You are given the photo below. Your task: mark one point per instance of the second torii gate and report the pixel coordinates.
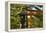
(23, 19)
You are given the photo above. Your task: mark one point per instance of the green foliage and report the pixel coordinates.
(38, 21)
(14, 17)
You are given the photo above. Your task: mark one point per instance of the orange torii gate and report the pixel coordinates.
(28, 15)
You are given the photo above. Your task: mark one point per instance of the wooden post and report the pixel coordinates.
(29, 19)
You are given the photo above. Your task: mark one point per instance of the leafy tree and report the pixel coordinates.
(16, 9)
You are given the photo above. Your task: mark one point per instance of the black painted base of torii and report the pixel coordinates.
(23, 19)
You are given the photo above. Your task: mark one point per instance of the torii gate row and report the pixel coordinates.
(29, 16)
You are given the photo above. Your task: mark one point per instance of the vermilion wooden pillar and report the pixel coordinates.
(29, 17)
